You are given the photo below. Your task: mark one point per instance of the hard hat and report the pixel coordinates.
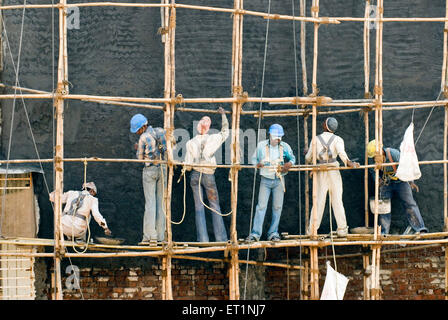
(371, 149)
(332, 124)
(90, 185)
(276, 130)
(137, 122)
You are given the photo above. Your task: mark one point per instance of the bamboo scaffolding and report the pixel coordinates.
(171, 250)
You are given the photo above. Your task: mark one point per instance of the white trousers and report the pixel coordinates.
(73, 226)
(329, 181)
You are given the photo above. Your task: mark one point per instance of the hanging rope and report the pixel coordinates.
(258, 139)
(87, 219)
(302, 5)
(427, 118)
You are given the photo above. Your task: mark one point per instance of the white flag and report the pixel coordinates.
(334, 286)
(408, 168)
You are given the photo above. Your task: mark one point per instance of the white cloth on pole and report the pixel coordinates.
(334, 286)
(408, 168)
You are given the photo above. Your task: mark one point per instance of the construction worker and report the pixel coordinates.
(390, 185)
(151, 146)
(76, 214)
(278, 154)
(328, 147)
(201, 150)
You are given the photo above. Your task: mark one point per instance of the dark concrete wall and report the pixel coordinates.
(118, 52)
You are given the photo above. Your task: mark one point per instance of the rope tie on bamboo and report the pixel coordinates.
(315, 90)
(172, 24)
(378, 90)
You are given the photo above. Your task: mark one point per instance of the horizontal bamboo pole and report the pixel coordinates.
(324, 20)
(258, 263)
(240, 166)
(360, 254)
(261, 244)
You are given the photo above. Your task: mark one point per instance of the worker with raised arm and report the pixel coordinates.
(152, 146)
(201, 150)
(391, 186)
(328, 147)
(76, 214)
(274, 158)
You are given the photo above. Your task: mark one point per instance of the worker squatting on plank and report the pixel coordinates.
(151, 146)
(329, 146)
(391, 186)
(76, 213)
(201, 150)
(277, 153)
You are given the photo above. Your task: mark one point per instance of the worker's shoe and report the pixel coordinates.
(342, 232)
(274, 237)
(252, 238)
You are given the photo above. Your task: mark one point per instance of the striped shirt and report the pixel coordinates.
(151, 144)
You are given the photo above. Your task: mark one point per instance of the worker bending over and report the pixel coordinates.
(329, 146)
(76, 214)
(390, 185)
(201, 150)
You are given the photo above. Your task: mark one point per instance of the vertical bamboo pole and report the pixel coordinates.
(366, 114)
(367, 51)
(444, 63)
(445, 174)
(59, 150)
(170, 20)
(315, 14)
(237, 37)
(303, 47)
(378, 137)
(307, 176)
(445, 194)
(366, 170)
(313, 250)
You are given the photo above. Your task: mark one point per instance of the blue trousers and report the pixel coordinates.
(209, 185)
(404, 192)
(266, 187)
(154, 183)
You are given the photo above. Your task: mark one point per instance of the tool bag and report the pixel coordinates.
(408, 168)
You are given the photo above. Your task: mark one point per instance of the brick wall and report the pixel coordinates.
(203, 282)
(406, 275)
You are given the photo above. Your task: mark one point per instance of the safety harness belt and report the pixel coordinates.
(326, 149)
(393, 166)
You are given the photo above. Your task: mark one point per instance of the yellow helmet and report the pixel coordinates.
(371, 149)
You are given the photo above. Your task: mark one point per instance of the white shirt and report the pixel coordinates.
(90, 204)
(211, 143)
(337, 148)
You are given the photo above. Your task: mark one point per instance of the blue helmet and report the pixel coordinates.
(137, 122)
(332, 124)
(276, 130)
